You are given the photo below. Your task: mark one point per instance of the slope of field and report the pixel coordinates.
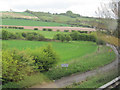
(22, 22)
(67, 51)
(23, 15)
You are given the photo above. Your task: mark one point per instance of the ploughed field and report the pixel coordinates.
(66, 51)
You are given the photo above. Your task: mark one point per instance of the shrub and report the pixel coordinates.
(66, 30)
(45, 58)
(20, 27)
(74, 35)
(73, 30)
(57, 37)
(100, 42)
(12, 35)
(62, 37)
(58, 30)
(44, 29)
(5, 35)
(35, 28)
(24, 34)
(34, 36)
(68, 38)
(15, 65)
(49, 29)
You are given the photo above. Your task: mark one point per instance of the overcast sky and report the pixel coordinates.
(82, 7)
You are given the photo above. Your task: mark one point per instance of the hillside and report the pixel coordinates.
(68, 18)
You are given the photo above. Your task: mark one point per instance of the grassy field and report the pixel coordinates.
(22, 22)
(67, 51)
(88, 62)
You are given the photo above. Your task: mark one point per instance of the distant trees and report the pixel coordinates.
(76, 36)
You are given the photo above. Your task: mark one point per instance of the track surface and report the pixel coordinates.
(80, 76)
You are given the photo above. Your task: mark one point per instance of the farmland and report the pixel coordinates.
(22, 22)
(36, 44)
(71, 50)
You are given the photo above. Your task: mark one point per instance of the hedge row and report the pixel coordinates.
(45, 29)
(24, 35)
(13, 27)
(76, 36)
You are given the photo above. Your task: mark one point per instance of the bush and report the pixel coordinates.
(5, 35)
(100, 42)
(49, 29)
(57, 37)
(74, 35)
(68, 38)
(58, 30)
(73, 30)
(62, 37)
(34, 36)
(66, 30)
(44, 29)
(15, 65)
(24, 34)
(35, 28)
(20, 27)
(45, 58)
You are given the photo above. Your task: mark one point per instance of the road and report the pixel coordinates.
(65, 81)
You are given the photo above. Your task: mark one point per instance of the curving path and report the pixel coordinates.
(65, 81)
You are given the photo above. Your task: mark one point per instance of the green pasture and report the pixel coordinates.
(66, 51)
(22, 22)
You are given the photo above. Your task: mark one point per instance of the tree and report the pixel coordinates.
(68, 38)
(110, 16)
(5, 35)
(62, 37)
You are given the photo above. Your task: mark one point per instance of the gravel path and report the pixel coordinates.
(81, 76)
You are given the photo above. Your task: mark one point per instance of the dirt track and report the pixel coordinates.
(80, 76)
(55, 28)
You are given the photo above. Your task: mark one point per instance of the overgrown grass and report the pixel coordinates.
(67, 51)
(22, 22)
(96, 81)
(108, 38)
(37, 78)
(83, 64)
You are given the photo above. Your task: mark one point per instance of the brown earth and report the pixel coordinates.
(55, 28)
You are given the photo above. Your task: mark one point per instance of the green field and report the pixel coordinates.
(22, 22)
(67, 51)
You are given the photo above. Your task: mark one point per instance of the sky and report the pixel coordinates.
(82, 7)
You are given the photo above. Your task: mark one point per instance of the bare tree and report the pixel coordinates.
(109, 14)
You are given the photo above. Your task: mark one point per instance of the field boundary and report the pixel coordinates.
(55, 28)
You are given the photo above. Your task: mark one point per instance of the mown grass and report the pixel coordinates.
(22, 22)
(97, 80)
(66, 51)
(83, 64)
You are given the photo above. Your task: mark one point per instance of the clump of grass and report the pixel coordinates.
(37, 78)
(96, 81)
